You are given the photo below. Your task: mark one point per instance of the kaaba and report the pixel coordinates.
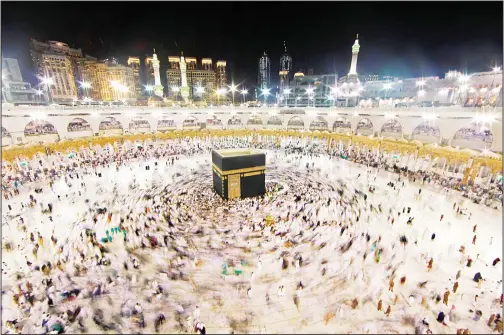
(239, 173)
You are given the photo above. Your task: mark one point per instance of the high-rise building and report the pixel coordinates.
(10, 70)
(191, 63)
(285, 69)
(60, 70)
(134, 64)
(149, 71)
(201, 81)
(81, 75)
(110, 82)
(368, 77)
(310, 90)
(264, 71)
(57, 62)
(206, 64)
(14, 89)
(221, 79)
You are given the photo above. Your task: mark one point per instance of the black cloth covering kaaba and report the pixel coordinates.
(239, 173)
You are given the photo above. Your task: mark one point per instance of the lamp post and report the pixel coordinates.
(47, 82)
(149, 88)
(244, 92)
(85, 85)
(39, 93)
(286, 92)
(265, 92)
(176, 89)
(200, 90)
(219, 92)
(233, 89)
(310, 91)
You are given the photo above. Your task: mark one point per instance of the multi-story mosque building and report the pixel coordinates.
(327, 90)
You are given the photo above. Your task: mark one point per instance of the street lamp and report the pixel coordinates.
(176, 90)
(297, 99)
(244, 92)
(46, 82)
(200, 90)
(233, 89)
(118, 87)
(286, 92)
(310, 91)
(149, 88)
(85, 85)
(219, 92)
(265, 92)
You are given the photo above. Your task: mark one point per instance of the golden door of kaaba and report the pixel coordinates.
(234, 190)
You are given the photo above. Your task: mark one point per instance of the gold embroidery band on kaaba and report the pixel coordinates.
(246, 170)
(250, 174)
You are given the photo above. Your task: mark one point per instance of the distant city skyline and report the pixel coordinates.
(407, 46)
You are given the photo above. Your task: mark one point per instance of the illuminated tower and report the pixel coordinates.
(134, 64)
(285, 68)
(184, 89)
(355, 53)
(158, 88)
(264, 71)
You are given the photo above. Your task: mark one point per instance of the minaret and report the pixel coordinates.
(184, 90)
(158, 88)
(355, 53)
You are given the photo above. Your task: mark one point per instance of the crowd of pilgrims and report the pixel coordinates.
(489, 194)
(73, 288)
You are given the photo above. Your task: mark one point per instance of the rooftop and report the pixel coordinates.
(237, 152)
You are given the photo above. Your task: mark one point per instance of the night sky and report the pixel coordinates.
(397, 38)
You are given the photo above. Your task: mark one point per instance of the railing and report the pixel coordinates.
(100, 107)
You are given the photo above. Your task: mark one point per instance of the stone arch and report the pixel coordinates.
(473, 137)
(295, 123)
(6, 133)
(41, 130)
(274, 121)
(391, 128)
(191, 122)
(110, 124)
(365, 127)
(6, 137)
(78, 124)
(213, 120)
(342, 125)
(166, 124)
(426, 132)
(234, 121)
(319, 124)
(254, 120)
(139, 125)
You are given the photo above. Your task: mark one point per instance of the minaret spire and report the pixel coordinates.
(355, 53)
(158, 88)
(184, 89)
(285, 47)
